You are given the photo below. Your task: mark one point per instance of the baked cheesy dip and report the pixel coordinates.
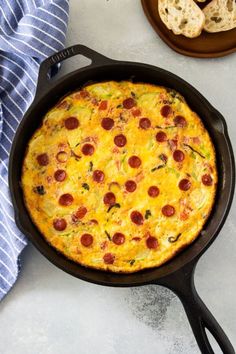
(120, 176)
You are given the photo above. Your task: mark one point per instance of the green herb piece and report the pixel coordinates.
(66, 235)
(172, 170)
(39, 190)
(77, 157)
(90, 166)
(150, 144)
(163, 158)
(85, 186)
(157, 168)
(108, 235)
(77, 144)
(173, 239)
(197, 152)
(193, 155)
(119, 106)
(194, 175)
(131, 262)
(133, 94)
(123, 159)
(116, 205)
(174, 94)
(148, 214)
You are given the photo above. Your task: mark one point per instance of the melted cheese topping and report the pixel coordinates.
(149, 239)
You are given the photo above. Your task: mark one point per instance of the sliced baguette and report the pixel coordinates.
(182, 17)
(220, 15)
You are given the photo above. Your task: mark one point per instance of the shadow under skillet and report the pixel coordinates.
(159, 309)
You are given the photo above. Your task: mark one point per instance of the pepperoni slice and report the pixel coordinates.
(173, 144)
(153, 191)
(134, 161)
(118, 238)
(62, 156)
(178, 155)
(168, 210)
(196, 140)
(109, 198)
(166, 110)
(43, 159)
(107, 123)
(184, 215)
(63, 105)
(71, 123)
(161, 137)
(59, 224)
(60, 175)
(129, 103)
(103, 105)
(207, 180)
(120, 140)
(86, 240)
(144, 123)
(136, 238)
(136, 217)
(184, 184)
(130, 186)
(109, 258)
(151, 242)
(180, 121)
(98, 176)
(80, 213)
(84, 93)
(66, 199)
(136, 112)
(87, 149)
(93, 222)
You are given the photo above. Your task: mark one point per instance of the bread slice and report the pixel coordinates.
(220, 15)
(182, 17)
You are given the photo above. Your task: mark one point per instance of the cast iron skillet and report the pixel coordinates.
(177, 274)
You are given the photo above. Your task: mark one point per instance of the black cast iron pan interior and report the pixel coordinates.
(178, 273)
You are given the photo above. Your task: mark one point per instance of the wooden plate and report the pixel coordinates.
(207, 45)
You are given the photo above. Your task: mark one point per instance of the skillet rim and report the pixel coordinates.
(145, 276)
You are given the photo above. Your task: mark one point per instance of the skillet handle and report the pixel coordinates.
(47, 67)
(200, 318)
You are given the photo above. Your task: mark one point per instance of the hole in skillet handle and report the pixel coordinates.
(53, 70)
(181, 282)
(50, 66)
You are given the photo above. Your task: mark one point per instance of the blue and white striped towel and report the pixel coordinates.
(30, 31)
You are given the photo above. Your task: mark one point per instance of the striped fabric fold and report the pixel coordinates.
(30, 31)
